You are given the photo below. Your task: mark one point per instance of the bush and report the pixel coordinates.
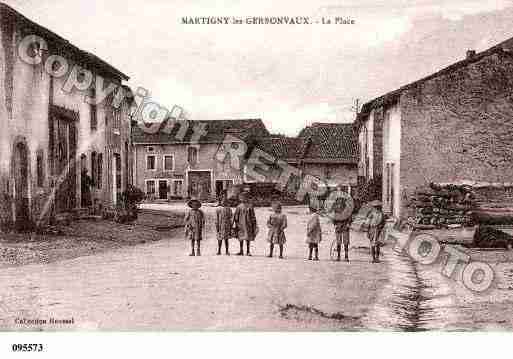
(133, 195)
(370, 190)
(128, 210)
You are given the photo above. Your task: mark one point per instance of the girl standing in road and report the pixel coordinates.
(313, 233)
(245, 224)
(224, 223)
(194, 225)
(277, 223)
(376, 221)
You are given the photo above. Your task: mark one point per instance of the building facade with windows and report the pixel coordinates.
(453, 126)
(172, 163)
(49, 133)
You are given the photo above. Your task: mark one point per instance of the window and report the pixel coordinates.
(97, 169)
(192, 155)
(328, 172)
(117, 119)
(93, 109)
(169, 163)
(177, 188)
(150, 163)
(40, 169)
(150, 187)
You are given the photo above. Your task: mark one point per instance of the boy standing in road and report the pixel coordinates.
(342, 218)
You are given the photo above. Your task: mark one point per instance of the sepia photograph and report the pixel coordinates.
(191, 166)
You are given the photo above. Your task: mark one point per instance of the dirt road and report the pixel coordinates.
(157, 286)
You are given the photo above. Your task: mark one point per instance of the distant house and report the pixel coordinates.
(174, 164)
(452, 126)
(326, 151)
(329, 151)
(49, 134)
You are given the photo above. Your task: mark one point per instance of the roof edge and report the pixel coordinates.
(55, 37)
(394, 95)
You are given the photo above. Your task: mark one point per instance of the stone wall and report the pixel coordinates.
(458, 126)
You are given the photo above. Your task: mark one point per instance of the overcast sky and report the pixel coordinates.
(287, 75)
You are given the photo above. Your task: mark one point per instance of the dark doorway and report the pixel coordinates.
(21, 168)
(162, 189)
(63, 149)
(222, 186)
(127, 166)
(199, 184)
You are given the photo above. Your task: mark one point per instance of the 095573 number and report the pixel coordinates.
(27, 347)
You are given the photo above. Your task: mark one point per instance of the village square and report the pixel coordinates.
(118, 212)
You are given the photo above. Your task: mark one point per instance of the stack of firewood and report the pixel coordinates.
(443, 206)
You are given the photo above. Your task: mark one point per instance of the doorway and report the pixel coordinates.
(199, 185)
(116, 178)
(63, 149)
(21, 186)
(222, 186)
(163, 189)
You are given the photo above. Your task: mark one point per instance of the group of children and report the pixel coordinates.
(242, 225)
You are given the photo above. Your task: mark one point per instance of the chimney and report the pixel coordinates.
(471, 54)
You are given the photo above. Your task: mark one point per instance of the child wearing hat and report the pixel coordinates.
(342, 237)
(376, 221)
(224, 217)
(245, 224)
(194, 225)
(342, 223)
(276, 223)
(313, 232)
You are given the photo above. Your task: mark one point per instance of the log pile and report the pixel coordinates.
(443, 206)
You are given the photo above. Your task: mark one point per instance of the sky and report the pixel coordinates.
(288, 75)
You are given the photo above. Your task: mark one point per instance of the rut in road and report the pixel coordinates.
(417, 298)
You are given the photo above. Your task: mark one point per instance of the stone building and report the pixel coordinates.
(49, 131)
(453, 126)
(175, 164)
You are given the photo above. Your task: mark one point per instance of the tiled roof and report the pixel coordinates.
(329, 142)
(285, 148)
(216, 131)
(319, 143)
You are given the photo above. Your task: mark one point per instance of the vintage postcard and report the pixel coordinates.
(319, 166)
